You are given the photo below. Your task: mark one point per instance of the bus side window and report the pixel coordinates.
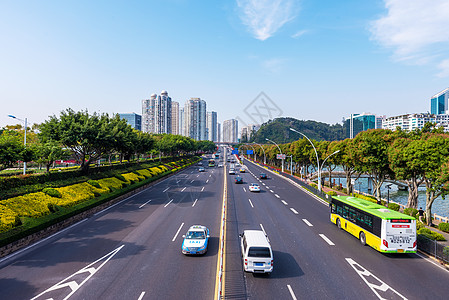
(333, 207)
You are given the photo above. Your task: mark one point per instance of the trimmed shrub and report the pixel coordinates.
(94, 183)
(120, 177)
(332, 193)
(431, 234)
(411, 211)
(443, 227)
(394, 206)
(52, 192)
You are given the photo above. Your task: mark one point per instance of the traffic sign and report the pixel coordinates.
(280, 156)
(248, 152)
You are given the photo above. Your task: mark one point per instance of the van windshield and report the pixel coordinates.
(259, 252)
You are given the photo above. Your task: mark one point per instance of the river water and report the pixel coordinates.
(440, 206)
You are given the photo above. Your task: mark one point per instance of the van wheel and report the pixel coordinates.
(362, 238)
(338, 224)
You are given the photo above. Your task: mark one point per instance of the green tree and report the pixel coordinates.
(11, 149)
(50, 151)
(346, 159)
(89, 137)
(370, 154)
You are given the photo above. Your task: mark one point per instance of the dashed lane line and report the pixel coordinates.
(285, 203)
(183, 189)
(141, 296)
(202, 188)
(177, 232)
(244, 190)
(165, 190)
(194, 202)
(207, 181)
(294, 210)
(145, 204)
(326, 239)
(307, 222)
(277, 196)
(251, 203)
(168, 203)
(291, 292)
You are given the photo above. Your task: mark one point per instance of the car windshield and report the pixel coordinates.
(255, 184)
(197, 235)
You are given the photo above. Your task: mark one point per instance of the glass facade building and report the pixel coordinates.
(439, 102)
(133, 119)
(359, 122)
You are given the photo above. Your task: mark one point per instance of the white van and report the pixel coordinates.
(256, 252)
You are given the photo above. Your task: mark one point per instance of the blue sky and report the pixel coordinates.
(315, 60)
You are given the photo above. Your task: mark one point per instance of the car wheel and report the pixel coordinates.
(362, 238)
(338, 224)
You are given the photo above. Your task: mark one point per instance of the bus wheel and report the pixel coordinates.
(338, 224)
(362, 238)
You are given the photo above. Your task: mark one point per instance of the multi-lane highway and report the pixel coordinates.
(313, 259)
(132, 250)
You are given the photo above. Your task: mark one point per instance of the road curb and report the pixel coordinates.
(220, 277)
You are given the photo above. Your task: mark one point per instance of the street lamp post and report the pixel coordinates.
(263, 150)
(24, 140)
(317, 159)
(316, 154)
(291, 164)
(388, 193)
(279, 151)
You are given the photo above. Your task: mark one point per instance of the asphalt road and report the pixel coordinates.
(130, 251)
(313, 259)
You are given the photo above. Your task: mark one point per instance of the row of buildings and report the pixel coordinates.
(160, 114)
(439, 115)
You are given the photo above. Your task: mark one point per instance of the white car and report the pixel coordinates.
(254, 187)
(220, 165)
(195, 240)
(232, 171)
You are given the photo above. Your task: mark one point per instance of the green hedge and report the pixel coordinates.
(394, 206)
(28, 225)
(443, 227)
(431, 234)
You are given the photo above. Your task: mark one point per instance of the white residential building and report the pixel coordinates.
(230, 131)
(195, 119)
(211, 121)
(175, 118)
(410, 122)
(157, 114)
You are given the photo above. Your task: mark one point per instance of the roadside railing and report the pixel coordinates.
(433, 248)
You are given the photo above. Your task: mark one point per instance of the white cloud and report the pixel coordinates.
(444, 67)
(273, 65)
(416, 30)
(265, 17)
(299, 34)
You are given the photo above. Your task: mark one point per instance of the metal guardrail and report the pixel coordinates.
(433, 248)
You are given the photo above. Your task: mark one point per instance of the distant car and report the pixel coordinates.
(200, 164)
(263, 176)
(231, 171)
(195, 240)
(238, 179)
(220, 165)
(237, 165)
(254, 187)
(200, 169)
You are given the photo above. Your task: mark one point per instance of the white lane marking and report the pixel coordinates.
(202, 189)
(326, 239)
(207, 181)
(145, 204)
(183, 189)
(272, 191)
(141, 296)
(194, 202)
(263, 183)
(285, 203)
(251, 203)
(210, 175)
(192, 181)
(244, 190)
(165, 190)
(291, 292)
(277, 196)
(375, 287)
(168, 203)
(294, 211)
(88, 270)
(198, 175)
(307, 222)
(177, 232)
(264, 232)
(177, 181)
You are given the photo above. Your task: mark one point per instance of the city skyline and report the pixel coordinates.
(351, 57)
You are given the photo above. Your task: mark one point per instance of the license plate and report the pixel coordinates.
(258, 264)
(400, 250)
(192, 252)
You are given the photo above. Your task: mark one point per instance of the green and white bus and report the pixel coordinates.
(383, 229)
